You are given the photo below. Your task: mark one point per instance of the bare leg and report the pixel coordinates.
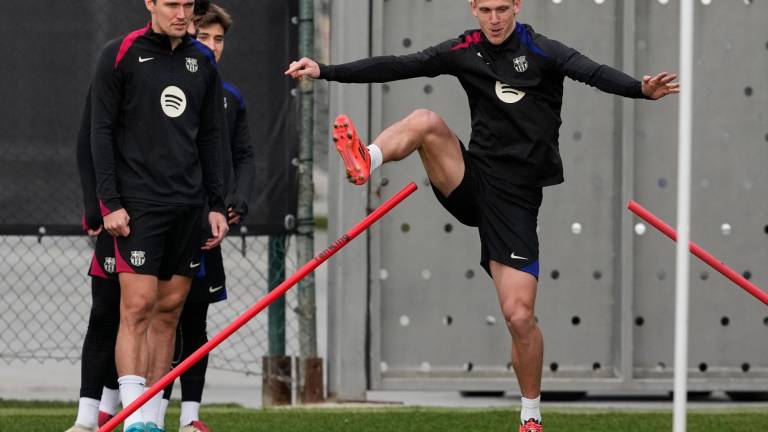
(138, 295)
(517, 295)
(427, 133)
(162, 329)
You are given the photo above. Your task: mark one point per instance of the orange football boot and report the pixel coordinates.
(355, 155)
(531, 426)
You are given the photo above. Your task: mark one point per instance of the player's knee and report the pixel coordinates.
(172, 304)
(135, 312)
(520, 318)
(426, 122)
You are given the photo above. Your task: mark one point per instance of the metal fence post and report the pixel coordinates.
(310, 367)
(276, 377)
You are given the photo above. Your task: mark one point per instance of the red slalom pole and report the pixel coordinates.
(699, 252)
(260, 305)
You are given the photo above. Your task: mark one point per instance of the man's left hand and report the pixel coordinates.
(660, 85)
(219, 229)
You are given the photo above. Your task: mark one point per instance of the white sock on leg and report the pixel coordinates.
(530, 409)
(151, 409)
(131, 387)
(161, 414)
(190, 411)
(87, 412)
(377, 158)
(110, 399)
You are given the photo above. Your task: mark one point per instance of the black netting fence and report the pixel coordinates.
(50, 53)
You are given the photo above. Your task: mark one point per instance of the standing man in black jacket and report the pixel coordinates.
(513, 78)
(156, 143)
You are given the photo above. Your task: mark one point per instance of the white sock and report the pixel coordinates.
(87, 413)
(376, 157)
(131, 388)
(190, 411)
(110, 398)
(530, 409)
(161, 414)
(151, 410)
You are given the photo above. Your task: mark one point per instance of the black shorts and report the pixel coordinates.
(209, 284)
(164, 241)
(506, 216)
(103, 263)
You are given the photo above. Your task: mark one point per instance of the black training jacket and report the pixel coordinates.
(156, 122)
(238, 155)
(240, 161)
(515, 93)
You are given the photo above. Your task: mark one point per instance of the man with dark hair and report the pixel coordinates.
(209, 286)
(513, 78)
(99, 395)
(156, 128)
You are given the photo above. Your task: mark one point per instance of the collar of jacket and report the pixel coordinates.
(164, 40)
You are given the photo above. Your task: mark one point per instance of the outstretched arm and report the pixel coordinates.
(430, 62)
(579, 67)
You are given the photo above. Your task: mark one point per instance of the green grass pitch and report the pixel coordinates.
(57, 417)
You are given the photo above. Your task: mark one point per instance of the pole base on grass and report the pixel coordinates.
(276, 381)
(311, 374)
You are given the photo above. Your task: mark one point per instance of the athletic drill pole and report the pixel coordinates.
(699, 252)
(260, 305)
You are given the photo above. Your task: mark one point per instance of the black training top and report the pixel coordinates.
(515, 93)
(156, 123)
(92, 214)
(239, 158)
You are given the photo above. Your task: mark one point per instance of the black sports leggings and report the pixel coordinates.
(191, 335)
(98, 363)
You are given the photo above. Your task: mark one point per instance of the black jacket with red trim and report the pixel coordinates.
(238, 155)
(156, 122)
(515, 93)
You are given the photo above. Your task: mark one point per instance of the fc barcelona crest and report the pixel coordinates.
(137, 258)
(521, 64)
(192, 64)
(109, 265)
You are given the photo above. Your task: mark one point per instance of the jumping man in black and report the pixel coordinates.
(513, 78)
